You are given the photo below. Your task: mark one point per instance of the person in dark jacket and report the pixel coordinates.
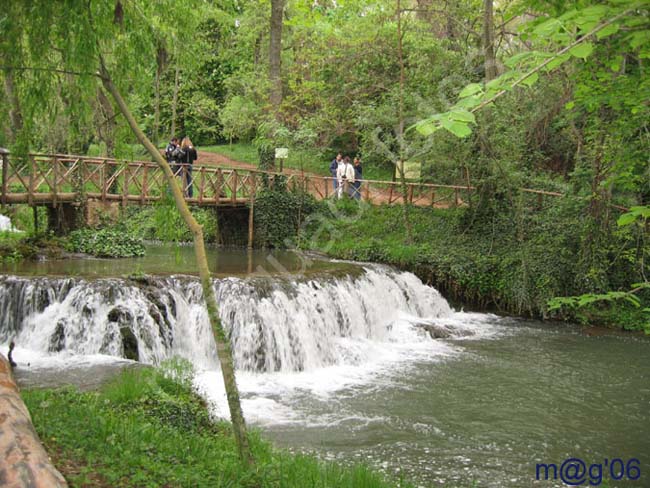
(358, 174)
(334, 166)
(169, 154)
(187, 159)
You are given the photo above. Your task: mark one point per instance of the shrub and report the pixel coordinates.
(108, 243)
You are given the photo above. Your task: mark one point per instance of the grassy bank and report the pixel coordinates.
(512, 261)
(310, 161)
(148, 429)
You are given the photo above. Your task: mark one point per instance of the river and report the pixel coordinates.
(338, 359)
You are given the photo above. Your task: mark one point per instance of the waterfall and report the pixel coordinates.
(6, 225)
(275, 324)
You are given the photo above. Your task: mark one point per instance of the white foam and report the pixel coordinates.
(6, 225)
(294, 341)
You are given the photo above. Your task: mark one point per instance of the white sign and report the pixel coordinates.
(281, 152)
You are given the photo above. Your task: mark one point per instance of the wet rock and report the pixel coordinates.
(120, 315)
(443, 331)
(57, 340)
(129, 344)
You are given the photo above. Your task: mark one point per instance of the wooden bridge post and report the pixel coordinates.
(145, 184)
(102, 180)
(125, 185)
(234, 186)
(219, 186)
(456, 197)
(202, 184)
(251, 222)
(30, 190)
(55, 188)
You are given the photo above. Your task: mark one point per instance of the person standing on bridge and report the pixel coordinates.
(358, 175)
(169, 154)
(188, 157)
(345, 177)
(334, 166)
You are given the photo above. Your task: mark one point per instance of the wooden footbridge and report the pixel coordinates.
(51, 179)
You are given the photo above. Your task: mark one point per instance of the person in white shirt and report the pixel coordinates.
(345, 177)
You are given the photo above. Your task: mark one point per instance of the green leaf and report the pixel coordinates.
(607, 31)
(469, 102)
(459, 129)
(557, 62)
(531, 80)
(471, 89)
(582, 50)
(643, 210)
(462, 116)
(427, 127)
(570, 105)
(547, 28)
(627, 219)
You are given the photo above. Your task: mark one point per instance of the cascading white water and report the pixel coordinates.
(6, 225)
(276, 324)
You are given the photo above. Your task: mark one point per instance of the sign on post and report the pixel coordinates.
(281, 153)
(412, 169)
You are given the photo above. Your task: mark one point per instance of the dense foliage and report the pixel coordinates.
(516, 262)
(279, 215)
(112, 242)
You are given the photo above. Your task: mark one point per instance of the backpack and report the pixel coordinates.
(178, 154)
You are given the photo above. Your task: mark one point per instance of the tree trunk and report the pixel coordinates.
(161, 60)
(107, 124)
(15, 112)
(491, 71)
(275, 54)
(24, 462)
(400, 127)
(175, 101)
(224, 351)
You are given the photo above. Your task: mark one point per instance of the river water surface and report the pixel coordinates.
(334, 360)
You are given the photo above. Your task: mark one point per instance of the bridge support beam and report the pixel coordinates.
(251, 224)
(63, 218)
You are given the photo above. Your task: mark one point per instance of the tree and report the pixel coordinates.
(275, 54)
(113, 43)
(488, 41)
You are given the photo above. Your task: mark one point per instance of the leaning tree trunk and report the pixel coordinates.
(224, 351)
(175, 100)
(23, 460)
(161, 61)
(275, 54)
(491, 71)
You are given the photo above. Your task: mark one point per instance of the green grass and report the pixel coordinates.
(148, 429)
(309, 160)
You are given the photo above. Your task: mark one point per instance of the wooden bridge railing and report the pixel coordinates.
(50, 179)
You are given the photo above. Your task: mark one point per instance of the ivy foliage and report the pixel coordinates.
(279, 214)
(112, 242)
